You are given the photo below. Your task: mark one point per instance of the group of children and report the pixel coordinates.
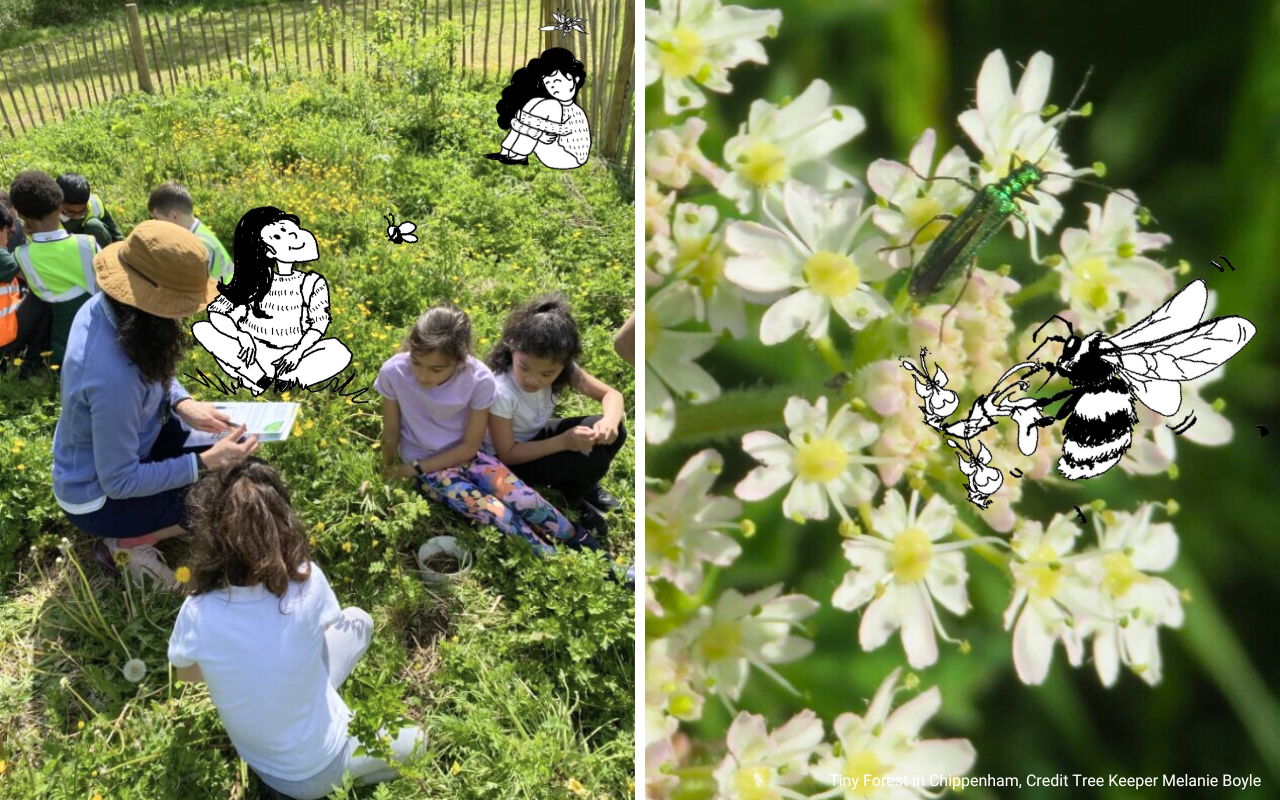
(50, 231)
(260, 623)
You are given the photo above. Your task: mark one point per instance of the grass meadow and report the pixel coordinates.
(521, 672)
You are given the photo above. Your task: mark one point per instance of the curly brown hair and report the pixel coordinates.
(245, 532)
(543, 327)
(154, 344)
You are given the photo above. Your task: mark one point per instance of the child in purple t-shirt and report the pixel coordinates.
(435, 409)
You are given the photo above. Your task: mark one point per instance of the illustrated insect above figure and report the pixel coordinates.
(1109, 375)
(989, 209)
(399, 233)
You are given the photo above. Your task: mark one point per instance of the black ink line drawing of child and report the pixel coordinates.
(268, 323)
(539, 109)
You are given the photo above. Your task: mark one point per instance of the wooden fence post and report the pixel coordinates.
(621, 80)
(549, 37)
(135, 44)
(328, 9)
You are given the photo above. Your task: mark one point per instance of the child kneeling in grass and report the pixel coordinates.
(435, 408)
(263, 628)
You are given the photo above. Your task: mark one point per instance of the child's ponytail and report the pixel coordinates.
(543, 327)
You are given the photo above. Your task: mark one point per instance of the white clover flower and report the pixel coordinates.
(762, 765)
(812, 257)
(744, 631)
(684, 528)
(135, 669)
(672, 157)
(913, 203)
(984, 479)
(901, 570)
(1047, 596)
(697, 256)
(778, 143)
(882, 745)
(939, 402)
(658, 783)
(694, 43)
(669, 681)
(1133, 603)
(1104, 261)
(669, 354)
(821, 458)
(1007, 124)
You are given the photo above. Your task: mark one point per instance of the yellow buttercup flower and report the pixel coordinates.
(576, 787)
(455, 769)
(182, 574)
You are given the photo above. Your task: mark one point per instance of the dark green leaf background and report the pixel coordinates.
(1186, 114)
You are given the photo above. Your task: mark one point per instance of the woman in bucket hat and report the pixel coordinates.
(120, 470)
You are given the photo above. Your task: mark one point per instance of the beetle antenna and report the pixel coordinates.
(1067, 116)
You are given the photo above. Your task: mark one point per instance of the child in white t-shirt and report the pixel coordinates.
(271, 641)
(534, 361)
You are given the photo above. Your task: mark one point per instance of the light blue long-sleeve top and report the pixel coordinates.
(110, 420)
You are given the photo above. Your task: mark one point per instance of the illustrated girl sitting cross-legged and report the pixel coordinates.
(269, 321)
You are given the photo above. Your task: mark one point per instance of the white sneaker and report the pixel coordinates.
(143, 561)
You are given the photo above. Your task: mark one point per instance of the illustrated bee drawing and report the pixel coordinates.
(399, 233)
(1145, 363)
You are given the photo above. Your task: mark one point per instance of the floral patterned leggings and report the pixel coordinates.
(484, 489)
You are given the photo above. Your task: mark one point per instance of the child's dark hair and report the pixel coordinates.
(75, 188)
(35, 195)
(6, 219)
(441, 329)
(542, 327)
(244, 531)
(254, 265)
(170, 196)
(526, 82)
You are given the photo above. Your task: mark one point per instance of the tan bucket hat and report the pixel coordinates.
(160, 268)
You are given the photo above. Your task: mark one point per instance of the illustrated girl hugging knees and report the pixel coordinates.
(435, 408)
(262, 627)
(535, 361)
(270, 320)
(539, 109)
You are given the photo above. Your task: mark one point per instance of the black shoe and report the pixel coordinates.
(284, 386)
(510, 160)
(494, 156)
(601, 499)
(264, 382)
(592, 519)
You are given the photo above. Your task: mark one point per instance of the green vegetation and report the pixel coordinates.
(522, 671)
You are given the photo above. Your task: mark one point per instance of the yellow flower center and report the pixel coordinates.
(652, 332)
(704, 262)
(910, 555)
(921, 212)
(821, 460)
(721, 640)
(755, 783)
(1043, 579)
(1093, 282)
(681, 706)
(662, 539)
(860, 767)
(831, 274)
(1120, 574)
(680, 55)
(763, 164)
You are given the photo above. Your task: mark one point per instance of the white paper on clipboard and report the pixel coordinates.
(272, 422)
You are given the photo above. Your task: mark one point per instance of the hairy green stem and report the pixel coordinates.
(738, 411)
